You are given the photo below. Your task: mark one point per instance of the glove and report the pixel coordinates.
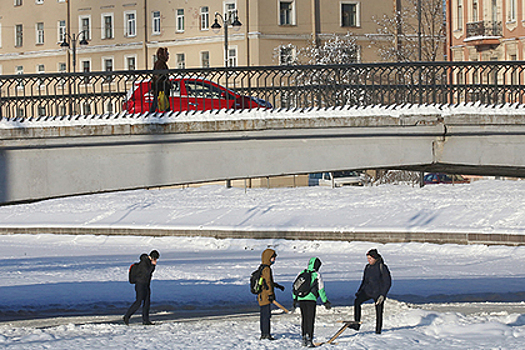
(327, 305)
(277, 285)
(380, 300)
(295, 304)
(271, 298)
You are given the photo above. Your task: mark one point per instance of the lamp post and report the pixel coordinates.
(73, 39)
(229, 19)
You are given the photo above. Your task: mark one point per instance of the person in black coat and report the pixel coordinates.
(375, 285)
(142, 287)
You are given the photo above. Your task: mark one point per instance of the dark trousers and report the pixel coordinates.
(360, 299)
(143, 294)
(266, 314)
(308, 308)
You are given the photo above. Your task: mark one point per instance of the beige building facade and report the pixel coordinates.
(486, 30)
(125, 34)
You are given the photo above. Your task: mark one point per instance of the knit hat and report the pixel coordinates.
(154, 255)
(374, 254)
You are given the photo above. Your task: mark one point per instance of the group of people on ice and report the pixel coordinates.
(375, 285)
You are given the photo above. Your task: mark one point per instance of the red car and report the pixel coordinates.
(191, 94)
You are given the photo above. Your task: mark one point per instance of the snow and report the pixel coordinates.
(443, 296)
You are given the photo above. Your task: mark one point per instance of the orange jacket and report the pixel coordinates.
(268, 285)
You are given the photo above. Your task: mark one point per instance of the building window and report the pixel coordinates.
(350, 14)
(18, 2)
(205, 18)
(86, 68)
(286, 56)
(155, 23)
(475, 10)
(181, 61)
(61, 30)
(131, 63)
(39, 33)
(39, 2)
(41, 69)
(232, 57)
(180, 20)
(205, 59)
(286, 13)
(19, 35)
(512, 10)
(131, 24)
(107, 64)
(62, 67)
(230, 9)
(459, 15)
(19, 70)
(85, 27)
(107, 26)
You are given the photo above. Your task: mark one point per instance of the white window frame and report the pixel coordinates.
(179, 20)
(229, 7)
(155, 23)
(81, 19)
(19, 39)
(61, 30)
(18, 2)
(357, 13)
(41, 82)
(39, 2)
(181, 64)
(19, 70)
(204, 18)
(130, 25)
(104, 30)
(459, 15)
(104, 67)
(81, 68)
(126, 61)
(201, 55)
(232, 60)
(512, 10)
(60, 70)
(39, 33)
(292, 21)
(475, 10)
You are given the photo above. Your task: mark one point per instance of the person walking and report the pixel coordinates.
(375, 285)
(160, 82)
(267, 295)
(308, 303)
(144, 273)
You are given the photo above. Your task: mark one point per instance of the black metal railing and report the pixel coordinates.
(484, 29)
(128, 93)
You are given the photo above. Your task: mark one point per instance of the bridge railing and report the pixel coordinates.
(127, 93)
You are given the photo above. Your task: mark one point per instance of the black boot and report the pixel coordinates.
(126, 320)
(309, 342)
(355, 326)
(305, 343)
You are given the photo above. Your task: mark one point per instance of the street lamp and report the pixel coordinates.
(229, 19)
(73, 39)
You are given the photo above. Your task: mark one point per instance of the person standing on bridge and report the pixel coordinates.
(142, 278)
(375, 285)
(161, 83)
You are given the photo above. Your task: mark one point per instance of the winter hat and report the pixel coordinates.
(374, 254)
(154, 255)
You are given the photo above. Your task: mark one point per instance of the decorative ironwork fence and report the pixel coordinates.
(127, 93)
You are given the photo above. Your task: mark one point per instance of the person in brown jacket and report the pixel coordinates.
(160, 82)
(267, 295)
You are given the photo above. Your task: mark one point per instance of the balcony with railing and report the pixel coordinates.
(483, 33)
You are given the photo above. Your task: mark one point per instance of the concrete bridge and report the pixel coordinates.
(67, 156)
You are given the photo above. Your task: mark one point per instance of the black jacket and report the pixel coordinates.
(376, 280)
(145, 270)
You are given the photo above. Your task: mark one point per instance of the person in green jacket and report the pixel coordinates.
(308, 302)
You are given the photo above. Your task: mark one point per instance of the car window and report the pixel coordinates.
(326, 176)
(316, 176)
(175, 88)
(203, 89)
(345, 173)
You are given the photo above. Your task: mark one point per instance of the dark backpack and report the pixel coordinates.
(256, 281)
(133, 273)
(302, 286)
